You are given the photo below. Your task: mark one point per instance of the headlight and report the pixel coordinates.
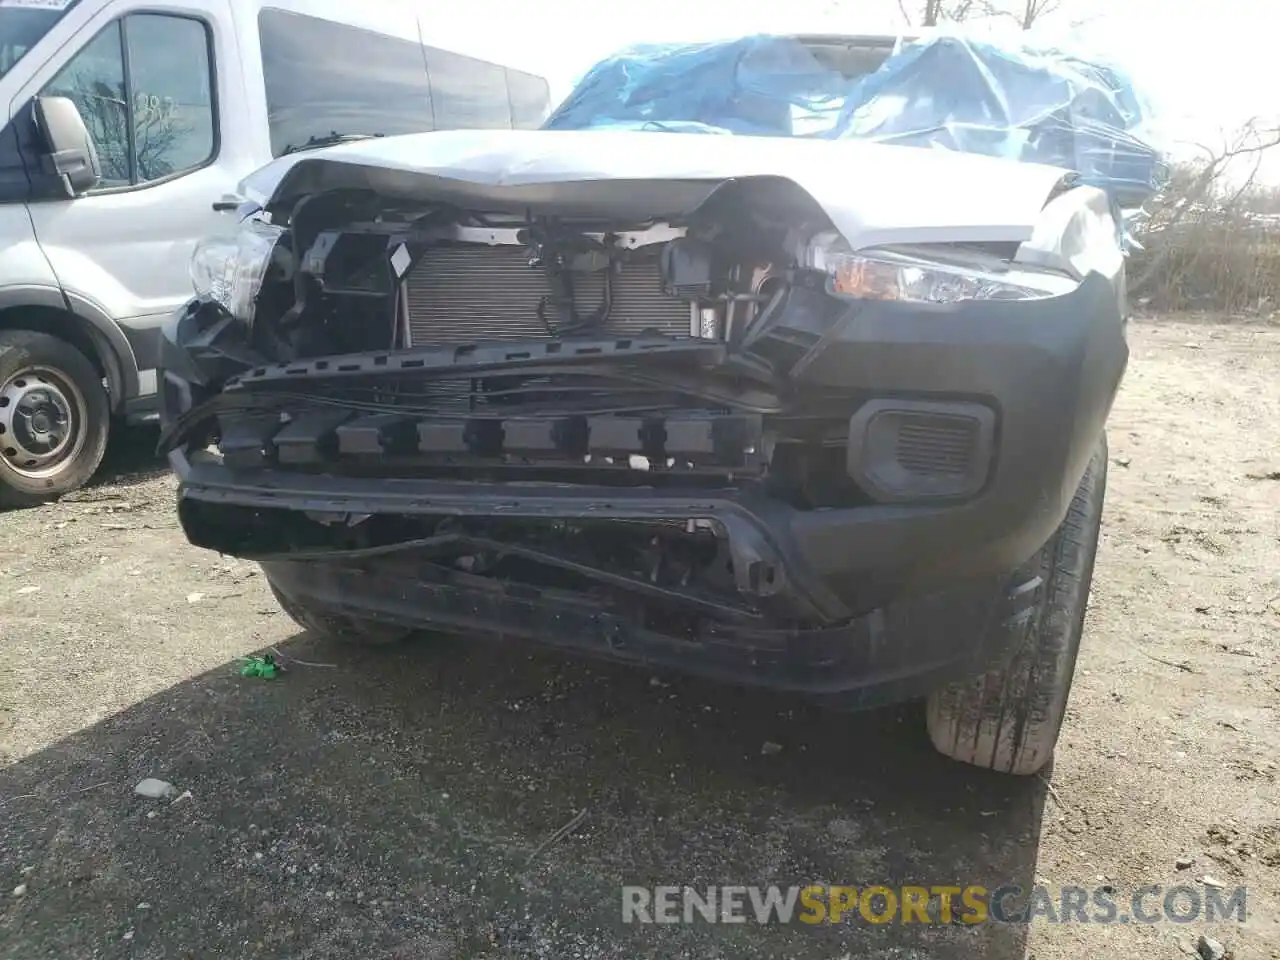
(900, 275)
(229, 269)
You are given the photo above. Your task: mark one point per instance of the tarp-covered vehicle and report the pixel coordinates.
(696, 376)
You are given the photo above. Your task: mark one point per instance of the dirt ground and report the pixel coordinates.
(396, 803)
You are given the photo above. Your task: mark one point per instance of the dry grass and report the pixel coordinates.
(1221, 262)
(1211, 243)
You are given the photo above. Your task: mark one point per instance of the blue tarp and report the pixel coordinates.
(1014, 100)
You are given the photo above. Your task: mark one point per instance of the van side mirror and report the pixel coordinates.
(69, 150)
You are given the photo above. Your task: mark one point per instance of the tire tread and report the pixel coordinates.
(1009, 719)
(339, 626)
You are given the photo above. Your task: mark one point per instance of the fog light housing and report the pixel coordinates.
(909, 450)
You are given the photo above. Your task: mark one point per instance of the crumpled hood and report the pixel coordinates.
(875, 194)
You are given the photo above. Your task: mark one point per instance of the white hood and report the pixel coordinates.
(875, 194)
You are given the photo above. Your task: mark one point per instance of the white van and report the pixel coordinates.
(181, 99)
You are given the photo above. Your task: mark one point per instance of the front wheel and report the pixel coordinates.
(54, 418)
(1009, 719)
(339, 626)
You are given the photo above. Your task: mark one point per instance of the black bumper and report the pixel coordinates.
(1048, 370)
(896, 653)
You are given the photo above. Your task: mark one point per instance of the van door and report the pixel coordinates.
(156, 88)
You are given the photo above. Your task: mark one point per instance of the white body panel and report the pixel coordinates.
(875, 194)
(25, 265)
(127, 251)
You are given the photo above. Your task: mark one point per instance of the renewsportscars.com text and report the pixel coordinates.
(936, 904)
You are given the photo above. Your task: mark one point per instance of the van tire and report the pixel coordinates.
(1008, 720)
(55, 416)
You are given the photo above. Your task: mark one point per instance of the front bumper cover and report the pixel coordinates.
(890, 654)
(1049, 369)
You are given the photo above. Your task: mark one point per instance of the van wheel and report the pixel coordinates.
(1008, 720)
(339, 626)
(54, 418)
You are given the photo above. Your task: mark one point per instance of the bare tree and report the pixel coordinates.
(1026, 12)
(1033, 10)
(936, 11)
(1202, 186)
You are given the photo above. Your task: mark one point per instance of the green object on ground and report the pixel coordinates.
(263, 667)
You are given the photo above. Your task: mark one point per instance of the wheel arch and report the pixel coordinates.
(80, 323)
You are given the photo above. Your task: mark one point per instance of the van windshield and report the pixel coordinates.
(23, 23)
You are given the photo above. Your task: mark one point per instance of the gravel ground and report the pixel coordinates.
(396, 803)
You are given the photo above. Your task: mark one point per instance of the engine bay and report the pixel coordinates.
(355, 273)
(444, 343)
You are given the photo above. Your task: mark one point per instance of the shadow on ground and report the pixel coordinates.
(131, 456)
(130, 460)
(397, 803)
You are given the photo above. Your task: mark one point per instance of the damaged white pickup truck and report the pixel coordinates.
(810, 412)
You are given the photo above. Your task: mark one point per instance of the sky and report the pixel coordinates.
(1200, 62)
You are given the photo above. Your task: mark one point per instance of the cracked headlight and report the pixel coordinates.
(229, 269)
(917, 277)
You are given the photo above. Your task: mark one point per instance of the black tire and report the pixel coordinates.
(1008, 720)
(339, 626)
(54, 418)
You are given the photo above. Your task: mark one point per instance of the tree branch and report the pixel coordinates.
(1182, 202)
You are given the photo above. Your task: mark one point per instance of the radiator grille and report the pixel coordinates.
(464, 293)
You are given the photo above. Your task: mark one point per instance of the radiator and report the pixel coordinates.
(459, 294)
